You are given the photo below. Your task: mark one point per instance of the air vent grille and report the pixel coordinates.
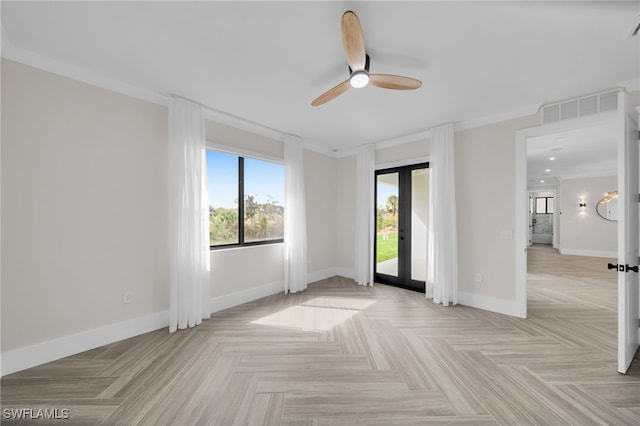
(579, 107)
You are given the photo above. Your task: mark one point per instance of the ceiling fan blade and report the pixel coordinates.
(396, 82)
(353, 41)
(332, 93)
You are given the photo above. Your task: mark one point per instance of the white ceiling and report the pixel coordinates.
(265, 61)
(586, 152)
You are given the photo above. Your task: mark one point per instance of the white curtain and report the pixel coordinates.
(364, 229)
(442, 241)
(188, 217)
(295, 217)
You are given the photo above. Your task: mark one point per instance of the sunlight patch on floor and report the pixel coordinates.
(318, 314)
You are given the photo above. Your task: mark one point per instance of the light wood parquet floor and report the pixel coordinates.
(342, 354)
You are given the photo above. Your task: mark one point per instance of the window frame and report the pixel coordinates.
(546, 205)
(241, 193)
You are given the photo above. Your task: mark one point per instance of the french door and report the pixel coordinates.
(402, 200)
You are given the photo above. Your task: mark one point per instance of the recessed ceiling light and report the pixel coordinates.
(541, 181)
(552, 158)
(547, 170)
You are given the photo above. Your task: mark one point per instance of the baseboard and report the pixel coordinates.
(239, 297)
(345, 272)
(51, 350)
(312, 277)
(590, 253)
(493, 304)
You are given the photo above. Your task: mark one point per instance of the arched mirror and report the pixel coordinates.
(607, 208)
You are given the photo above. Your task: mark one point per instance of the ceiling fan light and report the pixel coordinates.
(359, 79)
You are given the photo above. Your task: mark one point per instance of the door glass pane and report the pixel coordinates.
(549, 205)
(387, 202)
(419, 212)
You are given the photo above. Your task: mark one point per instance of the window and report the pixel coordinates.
(544, 205)
(259, 219)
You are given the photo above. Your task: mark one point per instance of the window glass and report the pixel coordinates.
(222, 174)
(260, 184)
(544, 205)
(263, 200)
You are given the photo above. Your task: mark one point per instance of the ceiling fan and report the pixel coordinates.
(358, 61)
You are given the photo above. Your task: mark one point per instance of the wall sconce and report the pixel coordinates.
(583, 204)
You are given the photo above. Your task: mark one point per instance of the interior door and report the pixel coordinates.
(628, 233)
(402, 195)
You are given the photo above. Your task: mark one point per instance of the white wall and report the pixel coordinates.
(485, 184)
(402, 153)
(84, 207)
(84, 218)
(321, 188)
(345, 208)
(84, 212)
(231, 278)
(244, 273)
(583, 231)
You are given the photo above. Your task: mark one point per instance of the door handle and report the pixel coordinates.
(622, 268)
(616, 267)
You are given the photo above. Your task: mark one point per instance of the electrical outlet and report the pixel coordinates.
(478, 277)
(127, 297)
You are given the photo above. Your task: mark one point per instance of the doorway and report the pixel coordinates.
(401, 211)
(543, 217)
(622, 123)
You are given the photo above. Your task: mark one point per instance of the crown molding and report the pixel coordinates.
(29, 58)
(242, 124)
(414, 137)
(498, 118)
(316, 147)
(630, 85)
(63, 69)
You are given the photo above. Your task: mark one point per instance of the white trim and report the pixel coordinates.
(521, 234)
(589, 253)
(51, 350)
(345, 272)
(313, 146)
(401, 163)
(347, 152)
(414, 137)
(323, 274)
(242, 124)
(498, 118)
(241, 152)
(40, 353)
(630, 85)
(54, 66)
(220, 303)
(26, 57)
(493, 304)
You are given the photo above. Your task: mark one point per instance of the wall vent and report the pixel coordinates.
(579, 107)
